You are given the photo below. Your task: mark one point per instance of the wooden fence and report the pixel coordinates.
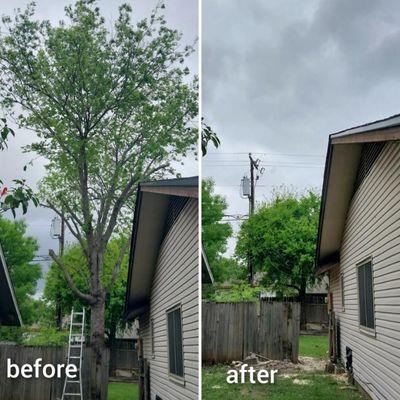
(231, 331)
(42, 388)
(123, 356)
(316, 314)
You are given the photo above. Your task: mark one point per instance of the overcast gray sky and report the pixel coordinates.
(279, 76)
(180, 14)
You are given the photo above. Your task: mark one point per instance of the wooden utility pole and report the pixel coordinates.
(252, 186)
(253, 166)
(62, 236)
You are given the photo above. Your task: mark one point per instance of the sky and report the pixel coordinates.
(279, 76)
(180, 14)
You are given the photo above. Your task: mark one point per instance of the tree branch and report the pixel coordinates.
(118, 264)
(122, 198)
(83, 296)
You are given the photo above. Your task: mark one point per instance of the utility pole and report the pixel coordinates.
(249, 191)
(253, 166)
(61, 238)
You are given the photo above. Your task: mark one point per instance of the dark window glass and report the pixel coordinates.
(366, 295)
(175, 345)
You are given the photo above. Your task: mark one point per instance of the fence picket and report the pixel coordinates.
(41, 388)
(231, 331)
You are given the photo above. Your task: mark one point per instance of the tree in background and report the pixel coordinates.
(110, 109)
(57, 291)
(280, 237)
(19, 251)
(215, 234)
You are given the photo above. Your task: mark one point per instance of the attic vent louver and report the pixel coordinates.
(175, 206)
(369, 154)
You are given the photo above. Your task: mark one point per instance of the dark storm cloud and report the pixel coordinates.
(278, 77)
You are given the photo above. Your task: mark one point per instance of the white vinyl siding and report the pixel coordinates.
(373, 230)
(175, 282)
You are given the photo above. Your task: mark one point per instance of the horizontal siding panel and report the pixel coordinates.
(175, 282)
(373, 230)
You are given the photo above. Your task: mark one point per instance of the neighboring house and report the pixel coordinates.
(163, 287)
(9, 312)
(359, 248)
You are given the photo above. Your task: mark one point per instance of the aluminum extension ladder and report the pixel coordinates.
(73, 387)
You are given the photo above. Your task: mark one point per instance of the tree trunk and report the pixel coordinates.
(303, 316)
(98, 350)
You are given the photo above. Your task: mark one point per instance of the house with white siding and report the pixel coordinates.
(163, 288)
(359, 249)
(9, 312)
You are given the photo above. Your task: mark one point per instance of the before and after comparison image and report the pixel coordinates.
(199, 199)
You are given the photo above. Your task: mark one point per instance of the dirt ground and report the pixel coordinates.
(287, 369)
(305, 364)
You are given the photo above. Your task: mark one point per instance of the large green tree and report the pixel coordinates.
(280, 238)
(19, 251)
(215, 233)
(57, 293)
(110, 109)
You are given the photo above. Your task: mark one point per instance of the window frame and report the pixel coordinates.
(172, 376)
(341, 280)
(365, 329)
(152, 341)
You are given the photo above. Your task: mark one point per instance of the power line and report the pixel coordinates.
(268, 154)
(267, 165)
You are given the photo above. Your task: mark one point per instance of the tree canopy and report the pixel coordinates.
(19, 251)
(280, 237)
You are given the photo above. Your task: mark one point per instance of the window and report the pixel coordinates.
(175, 345)
(366, 295)
(152, 337)
(342, 290)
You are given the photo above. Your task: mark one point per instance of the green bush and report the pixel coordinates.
(232, 293)
(11, 334)
(45, 337)
(33, 337)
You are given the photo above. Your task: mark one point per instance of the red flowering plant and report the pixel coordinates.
(16, 197)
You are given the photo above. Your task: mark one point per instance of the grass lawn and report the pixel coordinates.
(310, 386)
(123, 391)
(313, 346)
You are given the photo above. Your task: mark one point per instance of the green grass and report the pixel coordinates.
(313, 346)
(123, 391)
(319, 386)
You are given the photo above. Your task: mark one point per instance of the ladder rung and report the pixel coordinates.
(76, 341)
